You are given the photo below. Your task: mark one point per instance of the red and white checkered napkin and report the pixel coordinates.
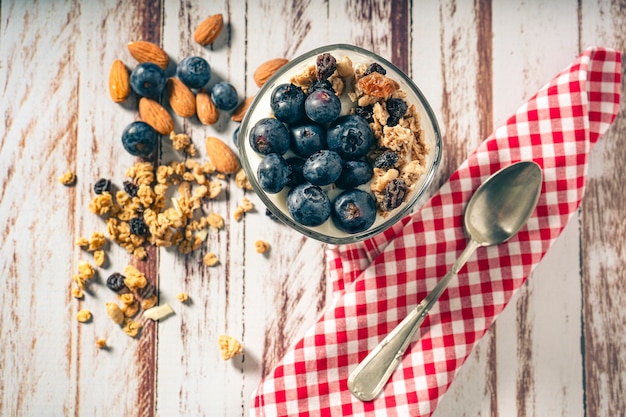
(378, 281)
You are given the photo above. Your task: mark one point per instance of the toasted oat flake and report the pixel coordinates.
(229, 347)
(183, 297)
(215, 221)
(134, 278)
(210, 259)
(131, 327)
(101, 203)
(101, 343)
(149, 302)
(245, 206)
(99, 257)
(69, 178)
(97, 241)
(82, 241)
(242, 181)
(83, 315)
(77, 293)
(261, 246)
(127, 298)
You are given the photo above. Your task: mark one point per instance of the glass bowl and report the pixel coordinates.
(260, 108)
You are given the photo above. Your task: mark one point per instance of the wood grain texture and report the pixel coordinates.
(556, 350)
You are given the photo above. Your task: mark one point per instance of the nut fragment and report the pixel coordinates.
(156, 116)
(224, 159)
(115, 312)
(241, 110)
(209, 29)
(159, 312)
(267, 69)
(144, 51)
(261, 246)
(210, 259)
(183, 297)
(229, 347)
(119, 81)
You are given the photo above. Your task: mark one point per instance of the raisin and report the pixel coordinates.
(395, 192)
(115, 282)
(396, 107)
(366, 112)
(131, 188)
(377, 85)
(386, 160)
(326, 64)
(321, 85)
(375, 67)
(101, 186)
(138, 227)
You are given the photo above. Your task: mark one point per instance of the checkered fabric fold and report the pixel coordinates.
(378, 281)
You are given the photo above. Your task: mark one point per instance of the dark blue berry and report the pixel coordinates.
(115, 282)
(323, 167)
(350, 136)
(224, 95)
(295, 171)
(354, 211)
(269, 135)
(236, 136)
(308, 204)
(140, 139)
(194, 71)
(320, 85)
(307, 139)
(322, 106)
(148, 80)
(287, 103)
(273, 173)
(353, 174)
(386, 160)
(101, 186)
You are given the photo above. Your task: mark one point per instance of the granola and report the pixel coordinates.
(229, 347)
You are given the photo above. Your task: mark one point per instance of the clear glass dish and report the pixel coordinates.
(260, 108)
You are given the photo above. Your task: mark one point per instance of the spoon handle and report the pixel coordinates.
(368, 379)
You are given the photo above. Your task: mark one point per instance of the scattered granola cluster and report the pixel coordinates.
(229, 347)
(69, 178)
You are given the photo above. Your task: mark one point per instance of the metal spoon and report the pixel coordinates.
(499, 208)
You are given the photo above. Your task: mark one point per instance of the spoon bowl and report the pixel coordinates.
(498, 209)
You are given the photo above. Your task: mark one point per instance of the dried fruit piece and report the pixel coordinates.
(267, 69)
(325, 65)
(207, 113)
(144, 51)
(224, 159)
(209, 29)
(395, 192)
(229, 347)
(241, 110)
(156, 116)
(377, 85)
(119, 81)
(182, 100)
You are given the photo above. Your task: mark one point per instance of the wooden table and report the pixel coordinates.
(558, 348)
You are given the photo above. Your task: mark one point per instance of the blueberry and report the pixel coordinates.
(273, 173)
(236, 136)
(350, 136)
(194, 71)
(148, 80)
(224, 95)
(354, 211)
(320, 85)
(323, 167)
(140, 139)
(269, 135)
(308, 204)
(295, 171)
(307, 139)
(287, 103)
(353, 174)
(322, 106)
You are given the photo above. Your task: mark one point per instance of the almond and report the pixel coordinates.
(156, 116)
(208, 30)
(267, 69)
(222, 157)
(144, 51)
(241, 110)
(119, 81)
(182, 100)
(205, 108)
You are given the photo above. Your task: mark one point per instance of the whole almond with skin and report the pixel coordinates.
(267, 69)
(119, 81)
(207, 113)
(241, 110)
(182, 99)
(156, 116)
(144, 51)
(222, 157)
(209, 29)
